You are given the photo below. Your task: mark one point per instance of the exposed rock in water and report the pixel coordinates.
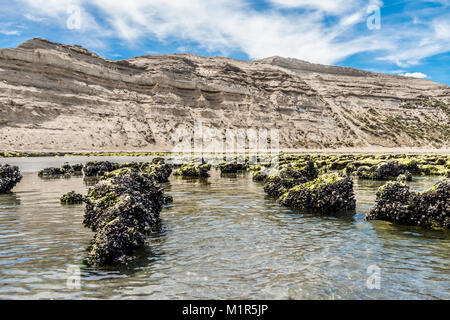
(122, 209)
(72, 168)
(194, 170)
(328, 193)
(66, 169)
(158, 170)
(72, 198)
(98, 168)
(168, 199)
(232, 167)
(396, 203)
(51, 172)
(259, 172)
(407, 176)
(279, 181)
(384, 171)
(9, 177)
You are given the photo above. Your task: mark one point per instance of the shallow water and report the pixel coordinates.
(221, 239)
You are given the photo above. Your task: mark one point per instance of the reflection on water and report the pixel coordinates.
(221, 238)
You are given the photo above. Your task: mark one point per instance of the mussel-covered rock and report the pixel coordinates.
(168, 199)
(98, 168)
(397, 203)
(72, 168)
(65, 169)
(122, 210)
(9, 177)
(160, 171)
(232, 167)
(279, 181)
(259, 172)
(50, 172)
(72, 198)
(327, 194)
(383, 171)
(193, 170)
(407, 176)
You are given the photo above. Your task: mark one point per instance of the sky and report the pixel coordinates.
(399, 37)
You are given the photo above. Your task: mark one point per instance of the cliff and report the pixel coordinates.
(65, 98)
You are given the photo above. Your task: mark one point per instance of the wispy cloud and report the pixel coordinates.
(10, 32)
(419, 75)
(325, 31)
(30, 17)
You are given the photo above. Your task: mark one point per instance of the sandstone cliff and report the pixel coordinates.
(65, 98)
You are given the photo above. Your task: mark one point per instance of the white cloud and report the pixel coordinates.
(30, 17)
(419, 75)
(329, 6)
(10, 32)
(231, 25)
(442, 28)
(417, 43)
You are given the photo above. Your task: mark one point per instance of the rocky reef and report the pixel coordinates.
(194, 170)
(407, 176)
(385, 171)
(122, 210)
(232, 167)
(9, 177)
(66, 169)
(328, 193)
(98, 168)
(397, 203)
(72, 198)
(281, 180)
(156, 169)
(259, 172)
(296, 183)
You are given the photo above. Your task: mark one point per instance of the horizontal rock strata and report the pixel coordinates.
(63, 97)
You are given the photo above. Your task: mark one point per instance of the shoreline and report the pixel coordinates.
(55, 153)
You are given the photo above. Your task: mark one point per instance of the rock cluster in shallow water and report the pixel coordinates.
(72, 198)
(279, 181)
(327, 194)
(259, 172)
(194, 170)
(233, 166)
(397, 203)
(65, 169)
(9, 177)
(297, 184)
(98, 168)
(385, 171)
(122, 209)
(158, 170)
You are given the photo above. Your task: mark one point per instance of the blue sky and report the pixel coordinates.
(409, 37)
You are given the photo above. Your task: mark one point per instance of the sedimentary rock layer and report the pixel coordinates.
(65, 98)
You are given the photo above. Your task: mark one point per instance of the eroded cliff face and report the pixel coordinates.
(65, 98)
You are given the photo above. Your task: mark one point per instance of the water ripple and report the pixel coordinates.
(220, 239)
